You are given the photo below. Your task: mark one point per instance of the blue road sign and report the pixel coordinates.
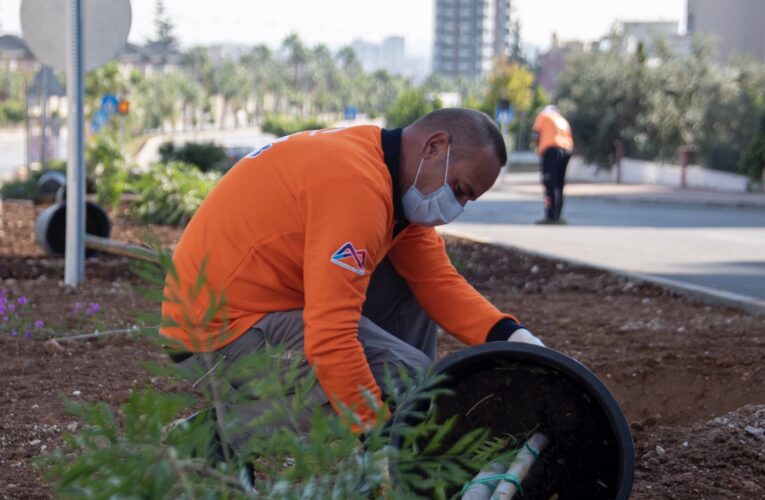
(109, 103)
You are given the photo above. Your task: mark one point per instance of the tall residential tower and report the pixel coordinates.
(470, 35)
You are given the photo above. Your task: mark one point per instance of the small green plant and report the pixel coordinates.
(281, 125)
(106, 164)
(205, 156)
(170, 193)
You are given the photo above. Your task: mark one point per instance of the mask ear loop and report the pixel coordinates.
(446, 173)
(417, 175)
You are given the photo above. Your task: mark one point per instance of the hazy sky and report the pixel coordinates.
(338, 22)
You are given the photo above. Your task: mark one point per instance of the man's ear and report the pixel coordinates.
(436, 144)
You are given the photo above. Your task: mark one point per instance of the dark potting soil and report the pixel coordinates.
(515, 400)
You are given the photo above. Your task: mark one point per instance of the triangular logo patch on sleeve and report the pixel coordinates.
(350, 258)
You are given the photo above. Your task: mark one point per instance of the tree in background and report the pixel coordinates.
(164, 27)
(408, 107)
(516, 49)
(654, 110)
(681, 91)
(102, 81)
(12, 95)
(511, 82)
(158, 98)
(753, 161)
(602, 95)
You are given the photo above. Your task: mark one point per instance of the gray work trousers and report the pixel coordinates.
(394, 331)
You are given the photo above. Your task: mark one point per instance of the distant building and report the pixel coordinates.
(552, 64)
(633, 34)
(15, 55)
(152, 58)
(368, 54)
(646, 33)
(736, 25)
(469, 36)
(392, 54)
(388, 56)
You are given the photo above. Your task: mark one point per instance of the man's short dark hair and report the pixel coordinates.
(468, 129)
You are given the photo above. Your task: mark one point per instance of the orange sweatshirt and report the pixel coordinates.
(554, 132)
(301, 223)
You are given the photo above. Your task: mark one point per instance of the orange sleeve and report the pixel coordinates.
(538, 123)
(346, 221)
(419, 256)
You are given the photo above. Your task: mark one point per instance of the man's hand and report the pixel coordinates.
(525, 336)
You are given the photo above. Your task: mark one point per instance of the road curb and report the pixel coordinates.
(698, 292)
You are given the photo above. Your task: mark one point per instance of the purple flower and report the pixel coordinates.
(11, 307)
(39, 324)
(3, 300)
(5, 318)
(76, 308)
(2, 309)
(3, 292)
(93, 308)
(27, 335)
(14, 333)
(22, 301)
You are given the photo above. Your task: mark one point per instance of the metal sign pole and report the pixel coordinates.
(74, 263)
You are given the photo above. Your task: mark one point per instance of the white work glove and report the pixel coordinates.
(525, 336)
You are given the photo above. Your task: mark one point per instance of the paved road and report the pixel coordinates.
(12, 151)
(717, 251)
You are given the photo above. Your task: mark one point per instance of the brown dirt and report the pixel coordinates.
(689, 376)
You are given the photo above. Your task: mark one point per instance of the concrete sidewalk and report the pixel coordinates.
(708, 245)
(529, 184)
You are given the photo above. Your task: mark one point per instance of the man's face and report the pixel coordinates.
(469, 177)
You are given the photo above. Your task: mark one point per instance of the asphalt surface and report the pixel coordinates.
(12, 152)
(709, 249)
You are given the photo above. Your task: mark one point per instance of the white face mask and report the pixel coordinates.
(434, 209)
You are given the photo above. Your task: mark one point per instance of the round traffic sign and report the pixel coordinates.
(105, 30)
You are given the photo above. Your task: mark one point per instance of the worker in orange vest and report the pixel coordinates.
(323, 243)
(552, 134)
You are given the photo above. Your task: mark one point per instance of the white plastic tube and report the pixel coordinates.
(520, 466)
(481, 491)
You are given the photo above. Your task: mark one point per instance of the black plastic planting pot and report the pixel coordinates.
(515, 389)
(50, 227)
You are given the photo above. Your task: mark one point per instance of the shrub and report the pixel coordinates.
(408, 107)
(106, 164)
(11, 112)
(170, 193)
(281, 125)
(205, 156)
(25, 187)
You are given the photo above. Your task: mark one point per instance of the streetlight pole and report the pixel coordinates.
(74, 261)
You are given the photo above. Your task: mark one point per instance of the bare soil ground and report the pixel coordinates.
(689, 376)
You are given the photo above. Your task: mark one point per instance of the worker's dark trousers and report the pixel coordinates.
(394, 331)
(554, 163)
